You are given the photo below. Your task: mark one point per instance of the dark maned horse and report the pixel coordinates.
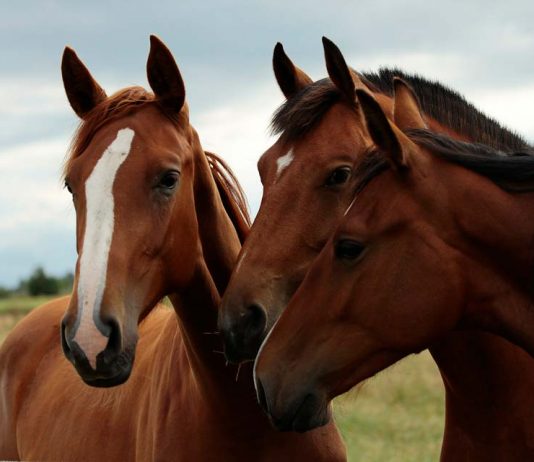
(439, 237)
(156, 215)
(309, 184)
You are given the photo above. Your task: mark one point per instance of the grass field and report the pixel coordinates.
(396, 416)
(12, 309)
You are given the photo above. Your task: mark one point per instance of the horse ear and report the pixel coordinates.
(290, 78)
(164, 77)
(406, 108)
(384, 134)
(338, 70)
(82, 90)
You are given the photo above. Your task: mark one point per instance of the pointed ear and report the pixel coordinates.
(82, 90)
(338, 70)
(385, 134)
(406, 108)
(164, 77)
(290, 78)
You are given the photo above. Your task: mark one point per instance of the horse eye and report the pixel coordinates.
(169, 181)
(347, 249)
(338, 176)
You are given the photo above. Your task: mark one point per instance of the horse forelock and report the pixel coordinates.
(121, 104)
(300, 114)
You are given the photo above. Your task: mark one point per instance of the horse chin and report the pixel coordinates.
(109, 372)
(108, 382)
(239, 355)
(310, 413)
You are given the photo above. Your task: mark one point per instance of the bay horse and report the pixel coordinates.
(155, 216)
(308, 180)
(439, 237)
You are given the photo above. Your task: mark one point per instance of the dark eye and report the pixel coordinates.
(347, 249)
(338, 176)
(168, 181)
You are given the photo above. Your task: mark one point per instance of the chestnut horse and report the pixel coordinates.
(439, 237)
(156, 216)
(309, 184)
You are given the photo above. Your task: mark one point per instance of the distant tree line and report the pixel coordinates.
(40, 283)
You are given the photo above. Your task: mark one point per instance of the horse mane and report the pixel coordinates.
(299, 114)
(130, 99)
(232, 195)
(450, 108)
(511, 171)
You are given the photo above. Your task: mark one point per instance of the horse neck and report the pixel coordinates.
(196, 305)
(488, 383)
(488, 395)
(218, 235)
(503, 307)
(496, 230)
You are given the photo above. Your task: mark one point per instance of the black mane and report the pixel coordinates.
(511, 171)
(449, 108)
(298, 115)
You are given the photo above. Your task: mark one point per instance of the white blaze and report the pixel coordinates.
(100, 217)
(283, 162)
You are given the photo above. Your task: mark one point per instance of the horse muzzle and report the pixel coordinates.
(299, 410)
(243, 332)
(113, 365)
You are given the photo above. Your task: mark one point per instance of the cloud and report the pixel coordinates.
(37, 218)
(510, 106)
(505, 103)
(238, 132)
(224, 51)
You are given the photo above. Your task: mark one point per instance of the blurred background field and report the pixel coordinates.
(14, 308)
(396, 416)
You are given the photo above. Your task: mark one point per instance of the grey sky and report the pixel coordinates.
(485, 50)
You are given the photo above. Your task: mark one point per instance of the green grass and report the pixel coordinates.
(13, 309)
(396, 416)
(22, 303)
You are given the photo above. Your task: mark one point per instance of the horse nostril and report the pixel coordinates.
(71, 349)
(113, 332)
(253, 322)
(113, 349)
(64, 343)
(243, 333)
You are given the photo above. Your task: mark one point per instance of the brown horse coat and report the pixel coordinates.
(178, 222)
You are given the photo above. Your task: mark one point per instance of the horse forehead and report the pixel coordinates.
(279, 157)
(114, 152)
(383, 203)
